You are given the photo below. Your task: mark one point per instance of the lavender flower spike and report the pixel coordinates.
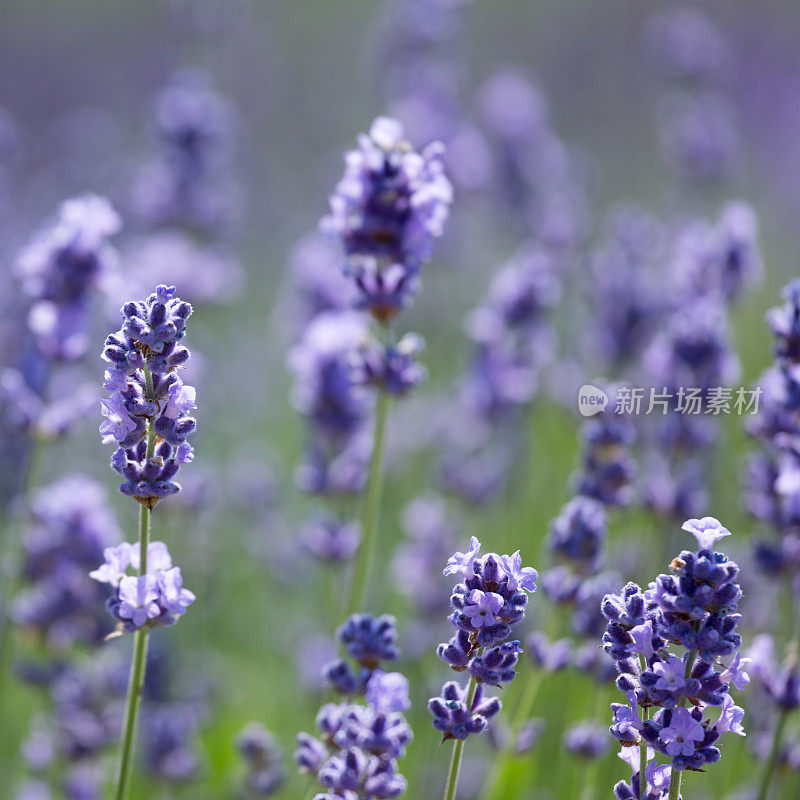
(668, 643)
(390, 205)
(147, 417)
(487, 604)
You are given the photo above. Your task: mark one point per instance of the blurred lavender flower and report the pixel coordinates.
(319, 284)
(684, 43)
(723, 257)
(699, 139)
(59, 270)
(330, 540)
(71, 526)
(168, 732)
(264, 758)
(187, 184)
(607, 469)
(205, 274)
(539, 178)
(430, 537)
(587, 740)
(623, 288)
(325, 388)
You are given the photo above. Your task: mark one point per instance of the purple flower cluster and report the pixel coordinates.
(334, 403)
(356, 753)
(577, 543)
(147, 414)
(86, 713)
(774, 485)
(264, 758)
(71, 526)
(698, 135)
(626, 303)
(391, 368)
(692, 609)
(329, 539)
(578, 533)
(487, 605)
(540, 181)
(156, 597)
(512, 336)
(59, 270)
(512, 342)
(387, 210)
(83, 722)
(369, 641)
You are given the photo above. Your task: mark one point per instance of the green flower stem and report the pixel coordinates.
(675, 784)
(136, 682)
(372, 511)
(458, 750)
(139, 663)
(772, 759)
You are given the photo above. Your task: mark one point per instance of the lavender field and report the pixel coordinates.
(400, 399)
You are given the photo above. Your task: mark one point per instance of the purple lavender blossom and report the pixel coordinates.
(155, 598)
(695, 610)
(359, 744)
(487, 604)
(607, 469)
(683, 43)
(388, 208)
(148, 396)
(59, 270)
(455, 717)
(70, 527)
(388, 691)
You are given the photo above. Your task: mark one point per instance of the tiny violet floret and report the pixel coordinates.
(707, 531)
(683, 731)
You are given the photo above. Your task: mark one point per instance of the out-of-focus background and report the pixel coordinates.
(79, 88)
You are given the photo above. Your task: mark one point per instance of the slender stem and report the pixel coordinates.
(772, 759)
(675, 784)
(372, 508)
(458, 750)
(139, 663)
(136, 681)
